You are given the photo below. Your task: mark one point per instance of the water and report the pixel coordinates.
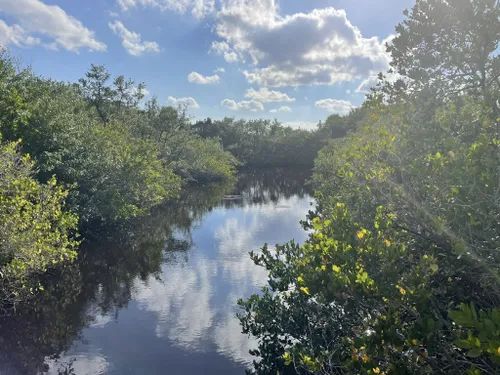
(159, 297)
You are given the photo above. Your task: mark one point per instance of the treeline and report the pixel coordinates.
(258, 143)
(266, 143)
(401, 274)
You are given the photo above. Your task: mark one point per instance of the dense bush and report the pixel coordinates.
(401, 273)
(35, 231)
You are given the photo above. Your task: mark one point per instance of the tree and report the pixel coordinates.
(105, 99)
(450, 45)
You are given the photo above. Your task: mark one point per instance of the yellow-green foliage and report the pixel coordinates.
(34, 228)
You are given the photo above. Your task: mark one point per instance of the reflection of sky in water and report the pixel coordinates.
(185, 323)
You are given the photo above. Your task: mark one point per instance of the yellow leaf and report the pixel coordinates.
(402, 291)
(360, 234)
(335, 268)
(387, 243)
(376, 370)
(305, 290)
(300, 279)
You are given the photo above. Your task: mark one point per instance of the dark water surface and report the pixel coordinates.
(159, 297)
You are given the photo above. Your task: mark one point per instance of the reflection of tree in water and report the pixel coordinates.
(47, 326)
(101, 282)
(262, 186)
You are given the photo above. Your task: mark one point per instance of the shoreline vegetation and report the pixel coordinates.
(401, 274)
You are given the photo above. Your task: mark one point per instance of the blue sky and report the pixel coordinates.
(294, 60)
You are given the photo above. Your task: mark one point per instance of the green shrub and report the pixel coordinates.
(36, 233)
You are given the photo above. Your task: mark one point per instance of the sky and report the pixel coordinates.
(296, 61)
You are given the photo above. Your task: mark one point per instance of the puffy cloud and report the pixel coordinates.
(265, 95)
(301, 125)
(198, 8)
(16, 35)
(251, 105)
(335, 105)
(132, 41)
(36, 17)
(188, 102)
(223, 49)
(195, 77)
(318, 48)
(284, 108)
(220, 70)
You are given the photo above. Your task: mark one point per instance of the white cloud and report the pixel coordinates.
(37, 18)
(301, 125)
(318, 48)
(348, 92)
(251, 105)
(197, 78)
(220, 70)
(223, 49)
(16, 35)
(198, 8)
(131, 41)
(335, 105)
(188, 102)
(284, 108)
(265, 95)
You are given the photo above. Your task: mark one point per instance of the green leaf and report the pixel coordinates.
(495, 315)
(473, 311)
(489, 326)
(462, 344)
(474, 353)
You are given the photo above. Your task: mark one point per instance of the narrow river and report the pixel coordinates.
(159, 297)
